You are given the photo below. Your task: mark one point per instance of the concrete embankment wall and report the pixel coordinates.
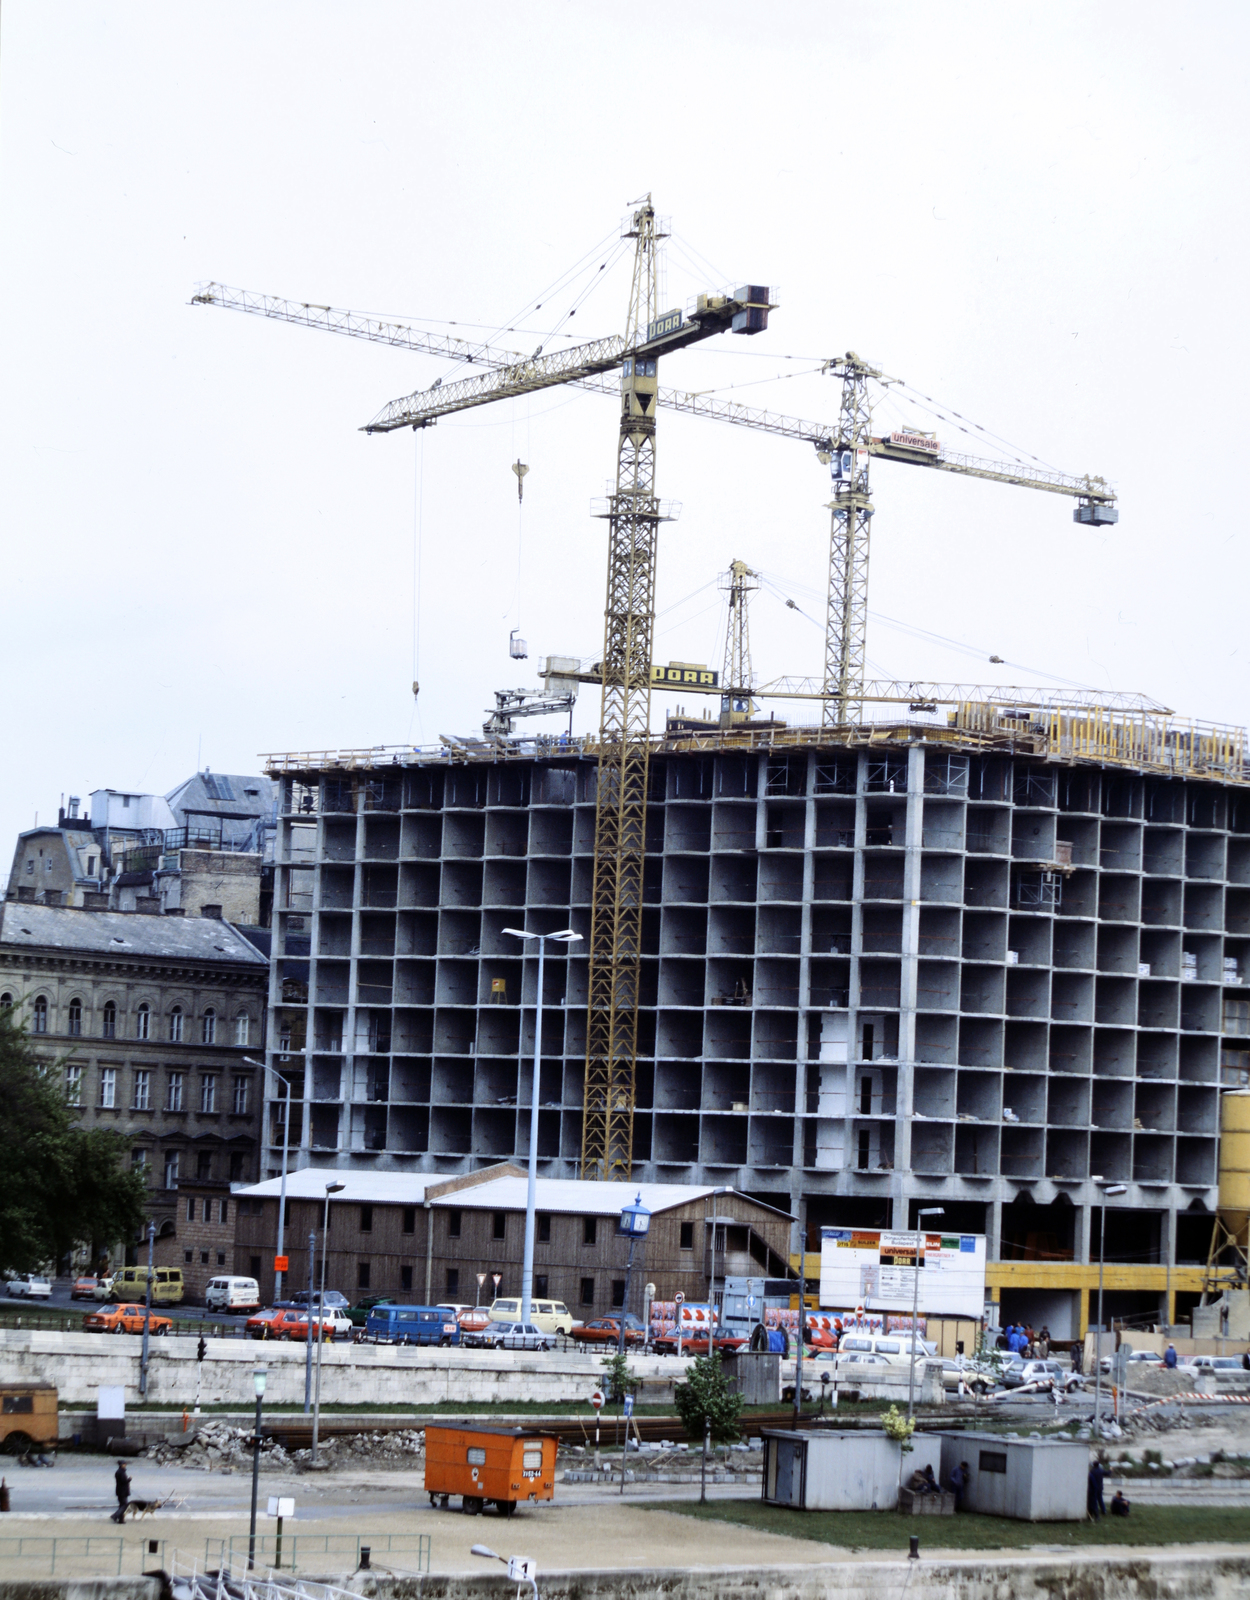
(78, 1363)
(1155, 1575)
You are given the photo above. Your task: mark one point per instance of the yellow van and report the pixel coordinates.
(552, 1316)
(131, 1283)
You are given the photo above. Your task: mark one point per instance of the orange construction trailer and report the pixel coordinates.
(481, 1463)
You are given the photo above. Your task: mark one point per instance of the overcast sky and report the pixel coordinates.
(1033, 213)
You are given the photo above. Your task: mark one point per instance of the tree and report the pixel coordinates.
(620, 1381)
(706, 1396)
(64, 1185)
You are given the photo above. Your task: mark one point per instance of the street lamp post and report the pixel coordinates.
(147, 1315)
(565, 936)
(635, 1221)
(286, 1134)
(259, 1377)
(331, 1188)
(1108, 1190)
(925, 1211)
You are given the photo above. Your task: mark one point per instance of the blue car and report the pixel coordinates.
(412, 1325)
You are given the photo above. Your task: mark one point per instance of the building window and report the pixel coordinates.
(175, 1025)
(174, 1103)
(108, 1087)
(687, 1236)
(540, 1285)
(366, 1219)
(499, 1225)
(588, 1292)
(30, 865)
(242, 1028)
(143, 1022)
(143, 1091)
(75, 1017)
(171, 1169)
(73, 1086)
(453, 1224)
(188, 1255)
(108, 1026)
(41, 1014)
(208, 1027)
(240, 1096)
(544, 1228)
(139, 1161)
(91, 866)
(223, 1211)
(618, 1293)
(203, 1170)
(453, 1281)
(362, 1274)
(221, 1258)
(203, 1258)
(236, 1166)
(254, 1266)
(405, 1277)
(6, 1001)
(589, 1229)
(208, 1093)
(410, 1219)
(190, 1208)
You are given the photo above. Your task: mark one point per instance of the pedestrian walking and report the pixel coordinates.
(1078, 1356)
(1043, 1344)
(1093, 1499)
(121, 1487)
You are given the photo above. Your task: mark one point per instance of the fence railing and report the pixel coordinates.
(93, 1556)
(409, 1552)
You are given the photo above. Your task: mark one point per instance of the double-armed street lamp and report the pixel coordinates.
(286, 1134)
(1108, 1189)
(259, 1378)
(331, 1188)
(565, 936)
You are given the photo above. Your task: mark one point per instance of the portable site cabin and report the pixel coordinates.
(1030, 1480)
(831, 1470)
(480, 1463)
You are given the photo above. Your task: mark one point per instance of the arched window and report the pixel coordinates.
(75, 1016)
(109, 1024)
(175, 1025)
(143, 1021)
(242, 1028)
(208, 1026)
(6, 1001)
(41, 1015)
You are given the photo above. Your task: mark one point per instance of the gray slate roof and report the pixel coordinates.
(123, 933)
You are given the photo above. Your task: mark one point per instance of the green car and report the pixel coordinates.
(359, 1313)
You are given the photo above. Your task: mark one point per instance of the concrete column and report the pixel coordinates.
(994, 1231)
(857, 950)
(909, 979)
(803, 1020)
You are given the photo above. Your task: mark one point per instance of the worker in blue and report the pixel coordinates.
(1169, 1356)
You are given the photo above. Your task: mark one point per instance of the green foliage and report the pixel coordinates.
(63, 1185)
(620, 1381)
(898, 1427)
(707, 1396)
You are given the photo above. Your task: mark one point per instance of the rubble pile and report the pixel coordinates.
(404, 1447)
(216, 1447)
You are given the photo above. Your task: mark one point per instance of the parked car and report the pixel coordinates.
(552, 1316)
(1036, 1372)
(333, 1301)
(267, 1324)
(28, 1286)
(473, 1319)
(234, 1296)
(123, 1318)
(607, 1331)
(332, 1323)
(83, 1288)
(104, 1287)
(396, 1324)
(697, 1344)
(1214, 1364)
(359, 1313)
(896, 1347)
(510, 1336)
(131, 1283)
(977, 1376)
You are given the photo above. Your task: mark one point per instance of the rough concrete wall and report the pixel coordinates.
(79, 1362)
(224, 878)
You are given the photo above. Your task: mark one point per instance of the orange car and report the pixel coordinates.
(83, 1289)
(123, 1319)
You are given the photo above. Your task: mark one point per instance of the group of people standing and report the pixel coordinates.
(1020, 1339)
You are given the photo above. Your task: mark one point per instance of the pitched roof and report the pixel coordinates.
(116, 933)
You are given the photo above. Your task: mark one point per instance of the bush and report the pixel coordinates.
(706, 1398)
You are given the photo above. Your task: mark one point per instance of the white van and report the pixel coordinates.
(552, 1316)
(235, 1295)
(894, 1347)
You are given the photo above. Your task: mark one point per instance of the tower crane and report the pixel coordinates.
(633, 514)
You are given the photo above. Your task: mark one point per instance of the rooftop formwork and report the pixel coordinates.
(979, 965)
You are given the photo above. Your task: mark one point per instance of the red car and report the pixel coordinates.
(607, 1330)
(666, 1345)
(83, 1289)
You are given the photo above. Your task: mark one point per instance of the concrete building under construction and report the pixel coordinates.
(991, 964)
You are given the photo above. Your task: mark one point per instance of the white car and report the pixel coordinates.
(511, 1336)
(104, 1287)
(334, 1319)
(28, 1286)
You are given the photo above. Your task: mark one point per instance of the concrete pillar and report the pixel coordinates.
(857, 950)
(909, 975)
(804, 1018)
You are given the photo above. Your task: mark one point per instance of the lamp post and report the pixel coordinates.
(286, 1134)
(925, 1211)
(1108, 1189)
(565, 936)
(259, 1377)
(520, 1568)
(711, 1287)
(635, 1222)
(147, 1315)
(331, 1188)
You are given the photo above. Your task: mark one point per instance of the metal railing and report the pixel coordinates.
(90, 1556)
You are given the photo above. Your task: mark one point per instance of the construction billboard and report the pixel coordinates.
(861, 1267)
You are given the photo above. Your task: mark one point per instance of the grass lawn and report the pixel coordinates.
(887, 1530)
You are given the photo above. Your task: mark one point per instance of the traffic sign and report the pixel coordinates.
(282, 1263)
(629, 1405)
(679, 1298)
(596, 1399)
